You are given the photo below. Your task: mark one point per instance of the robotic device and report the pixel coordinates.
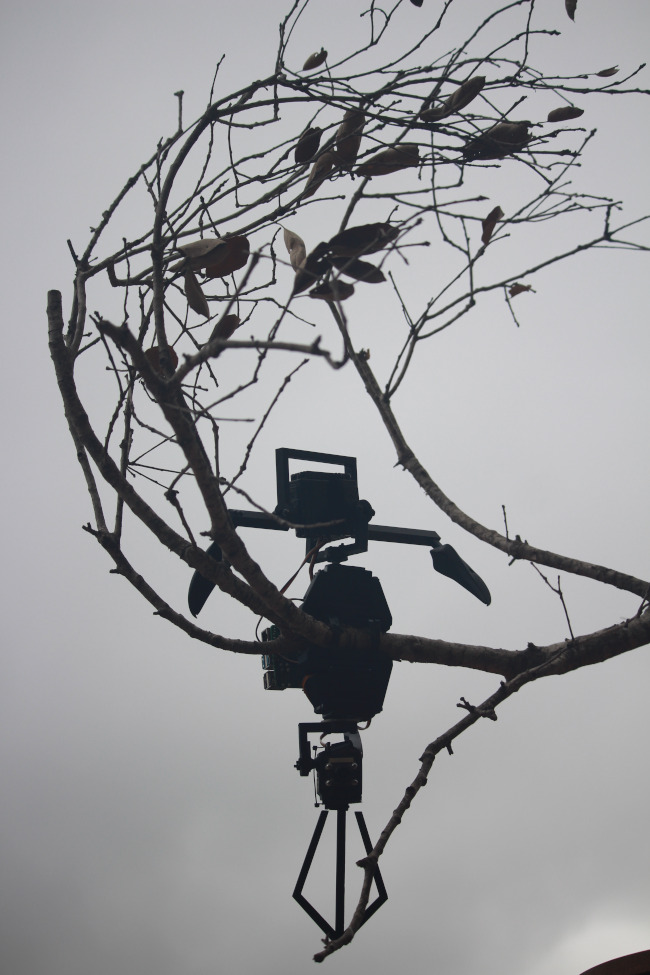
(344, 687)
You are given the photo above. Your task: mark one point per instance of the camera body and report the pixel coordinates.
(340, 683)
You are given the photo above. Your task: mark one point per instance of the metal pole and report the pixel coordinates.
(339, 923)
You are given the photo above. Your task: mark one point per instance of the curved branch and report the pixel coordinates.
(557, 662)
(124, 568)
(514, 548)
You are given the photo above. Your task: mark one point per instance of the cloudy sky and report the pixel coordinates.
(151, 820)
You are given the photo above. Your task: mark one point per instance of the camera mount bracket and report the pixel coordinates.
(323, 507)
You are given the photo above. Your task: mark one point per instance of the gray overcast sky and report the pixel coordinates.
(150, 817)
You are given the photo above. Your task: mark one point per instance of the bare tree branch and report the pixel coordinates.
(405, 143)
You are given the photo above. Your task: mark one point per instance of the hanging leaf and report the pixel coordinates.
(391, 160)
(217, 255)
(490, 223)
(365, 239)
(319, 173)
(307, 145)
(197, 252)
(501, 140)
(233, 255)
(333, 291)
(314, 267)
(315, 60)
(565, 113)
(195, 297)
(417, 3)
(348, 136)
(225, 327)
(571, 8)
(432, 114)
(359, 270)
(466, 93)
(296, 247)
(463, 95)
(518, 289)
(607, 72)
(154, 359)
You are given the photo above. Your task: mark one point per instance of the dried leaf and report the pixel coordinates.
(314, 267)
(225, 327)
(333, 291)
(432, 114)
(319, 173)
(463, 95)
(233, 254)
(607, 72)
(359, 270)
(296, 247)
(490, 223)
(308, 144)
(518, 289)
(565, 113)
(218, 255)
(348, 136)
(501, 140)
(571, 8)
(195, 297)
(466, 93)
(315, 60)
(391, 160)
(197, 251)
(153, 357)
(365, 239)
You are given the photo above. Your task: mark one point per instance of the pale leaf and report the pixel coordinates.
(195, 297)
(296, 248)
(196, 252)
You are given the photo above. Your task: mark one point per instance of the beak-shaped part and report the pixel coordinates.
(448, 562)
(200, 587)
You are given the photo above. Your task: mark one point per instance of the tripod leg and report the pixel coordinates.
(300, 883)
